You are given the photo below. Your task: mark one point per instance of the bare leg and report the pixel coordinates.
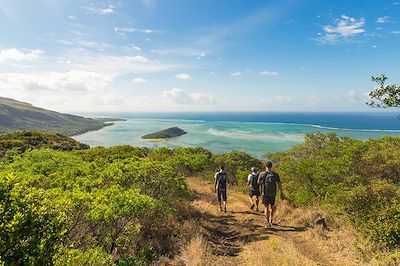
(257, 201)
(225, 205)
(251, 200)
(273, 208)
(266, 213)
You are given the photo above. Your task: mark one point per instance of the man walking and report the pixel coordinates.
(252, 183)
(268, 181)
(220, 186)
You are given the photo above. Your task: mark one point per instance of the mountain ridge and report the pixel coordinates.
(17, 115)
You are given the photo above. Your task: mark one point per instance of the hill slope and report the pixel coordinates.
(15, 115)
(20, 141)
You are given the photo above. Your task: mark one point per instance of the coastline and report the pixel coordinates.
(155, 140)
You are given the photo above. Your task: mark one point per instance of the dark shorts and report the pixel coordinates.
(221, 193)
(268, 200)
(254, 193)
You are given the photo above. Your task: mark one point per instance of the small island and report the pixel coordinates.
(164, 135)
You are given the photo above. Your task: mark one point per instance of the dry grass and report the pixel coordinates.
(310, 246)
(196, 253)
(274, 251)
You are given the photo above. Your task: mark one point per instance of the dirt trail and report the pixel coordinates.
(238, 237)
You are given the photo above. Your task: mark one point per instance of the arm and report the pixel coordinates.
(215, 183)
(260, 181)
(248, 181)
(281, 190)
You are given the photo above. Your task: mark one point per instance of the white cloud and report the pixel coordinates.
(236, 74)
(384, 19)
(183, 76)
(71, 17)
(277, 100)
(74, 80)
(342, 30)
(180, 96)
(15, 55)
(99, 10)
(181, 52)
(139, 80)
(352, 94)
(129, 29)
(269, 73)
(79, 43)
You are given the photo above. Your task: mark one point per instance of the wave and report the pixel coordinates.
(249, 135)
(168, 120)
(321, 127)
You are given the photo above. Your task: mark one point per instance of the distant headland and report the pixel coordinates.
(16, 115)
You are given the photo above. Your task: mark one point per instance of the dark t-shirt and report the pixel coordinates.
(269, 180)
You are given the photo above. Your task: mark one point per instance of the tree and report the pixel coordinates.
(384, 96)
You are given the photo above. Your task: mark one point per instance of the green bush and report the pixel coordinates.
(30, 231)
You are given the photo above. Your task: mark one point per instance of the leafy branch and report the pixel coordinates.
(384, 96)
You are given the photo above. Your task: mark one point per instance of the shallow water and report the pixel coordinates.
(255, 137)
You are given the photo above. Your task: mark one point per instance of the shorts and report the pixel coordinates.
(254, 193)
(267, 200)
(221, 193)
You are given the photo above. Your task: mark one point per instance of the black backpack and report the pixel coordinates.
(254, 182)
(221, 180)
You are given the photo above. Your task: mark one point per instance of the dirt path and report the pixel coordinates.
(238, 237)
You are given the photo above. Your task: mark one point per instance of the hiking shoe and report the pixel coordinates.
(225, 209)
(252, 206)
(267, 225)
(257, 210)
(220, 209)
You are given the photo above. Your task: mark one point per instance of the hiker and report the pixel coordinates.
(268, 181)
(252, 183)
(220, 186)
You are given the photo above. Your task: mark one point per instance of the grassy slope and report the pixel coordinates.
(15, 115)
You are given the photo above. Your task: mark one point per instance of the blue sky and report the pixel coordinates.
(186, 55)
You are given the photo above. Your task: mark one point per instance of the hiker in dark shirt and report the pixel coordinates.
(252, 183)
(220, 186)
(269, 180)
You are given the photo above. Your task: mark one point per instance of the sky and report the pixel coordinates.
(82, 56)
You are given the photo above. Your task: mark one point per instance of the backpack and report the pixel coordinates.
(254, 182)
(270, 184)
(221, 180)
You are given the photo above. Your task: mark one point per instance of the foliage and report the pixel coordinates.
(360, 178)
(166, 133)
(30, 230)
(109, 199)
(18, 142)
(384, 96)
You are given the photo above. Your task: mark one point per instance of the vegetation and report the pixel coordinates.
(130, 206)
(384, 96)
(15, 115)
(21, 141)
(357, 179)
(166, 133)
(109, 119)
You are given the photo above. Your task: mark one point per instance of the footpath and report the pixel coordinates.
(238, 237)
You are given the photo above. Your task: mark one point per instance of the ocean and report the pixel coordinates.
(254, 133)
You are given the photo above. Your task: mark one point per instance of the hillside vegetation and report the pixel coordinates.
(15, 115)
(131, 206)
(166, 133)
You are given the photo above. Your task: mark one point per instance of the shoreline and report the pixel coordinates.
(155, 140)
